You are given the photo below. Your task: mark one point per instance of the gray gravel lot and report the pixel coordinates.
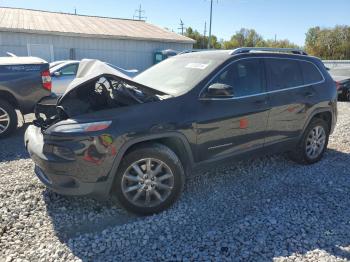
(256, 210)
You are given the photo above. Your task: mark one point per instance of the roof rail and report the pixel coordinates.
(242, 50)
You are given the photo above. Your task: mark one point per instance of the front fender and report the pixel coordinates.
(147, 138)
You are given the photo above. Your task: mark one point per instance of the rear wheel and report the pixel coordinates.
(149, 180)
(8, 118)
(313, 143)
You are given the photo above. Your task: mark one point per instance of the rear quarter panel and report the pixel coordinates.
(325, 99)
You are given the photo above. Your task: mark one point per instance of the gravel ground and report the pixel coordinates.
(256, 210)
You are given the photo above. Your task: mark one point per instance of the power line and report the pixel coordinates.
(204, 34)
(182, 27)
(211, 19)
(139, 14)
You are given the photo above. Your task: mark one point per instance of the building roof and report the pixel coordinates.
(44, 22)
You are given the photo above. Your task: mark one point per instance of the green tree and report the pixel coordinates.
(244, 38)
(285, 43)
(250, 38)
(329, 43)
(201, 41)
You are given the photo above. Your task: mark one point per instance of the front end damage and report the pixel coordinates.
(97, 87)
(73, 154)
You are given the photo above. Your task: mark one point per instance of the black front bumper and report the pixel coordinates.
(64, 185)
(56, 173)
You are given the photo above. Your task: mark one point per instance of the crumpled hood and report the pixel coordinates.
(90, 70)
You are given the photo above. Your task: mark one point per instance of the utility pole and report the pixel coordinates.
(139, 14)
(181, 27)
(275, 38)
(75, 10)
(211, 18)
(204, 34)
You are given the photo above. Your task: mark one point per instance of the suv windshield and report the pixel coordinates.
(177, 75)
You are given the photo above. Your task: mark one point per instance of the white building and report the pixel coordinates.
(58, 36)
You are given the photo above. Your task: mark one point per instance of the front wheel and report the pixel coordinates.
(149, 180)
(8, 118)
(313, 143)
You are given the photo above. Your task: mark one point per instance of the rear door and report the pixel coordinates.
(229, 126)
(289, 96)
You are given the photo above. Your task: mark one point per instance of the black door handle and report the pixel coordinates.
(309, 94)
(261, 102)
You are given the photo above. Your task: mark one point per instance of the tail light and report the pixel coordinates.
(46, 78)
(338, 85)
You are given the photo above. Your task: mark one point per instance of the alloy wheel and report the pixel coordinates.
(4, 120)
(315, 142)
(147, 182)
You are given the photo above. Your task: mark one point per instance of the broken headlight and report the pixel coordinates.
(81, 127)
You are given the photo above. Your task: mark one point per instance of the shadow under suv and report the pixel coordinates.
(135, 140)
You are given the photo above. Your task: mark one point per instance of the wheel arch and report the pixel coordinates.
(10, 98)
(177, 142)
(322, 113)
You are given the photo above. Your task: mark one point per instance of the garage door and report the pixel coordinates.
(41, 50)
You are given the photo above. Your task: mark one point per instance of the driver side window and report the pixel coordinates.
(245, 77)
(69, 70)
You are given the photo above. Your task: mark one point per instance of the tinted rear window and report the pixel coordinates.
(310, 72)
(283, 73)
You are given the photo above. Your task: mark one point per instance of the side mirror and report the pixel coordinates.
(57, 73)
(218, 90)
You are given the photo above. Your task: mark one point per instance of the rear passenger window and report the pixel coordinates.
(245, 76)
(283, 73)
(311, 73)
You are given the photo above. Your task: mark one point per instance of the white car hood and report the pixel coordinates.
(90, 69)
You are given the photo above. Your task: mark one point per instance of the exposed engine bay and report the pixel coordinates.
(91, 93)
(105, 93)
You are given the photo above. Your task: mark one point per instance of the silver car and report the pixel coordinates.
(62, 74)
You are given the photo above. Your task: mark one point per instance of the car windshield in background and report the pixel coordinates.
(177, 75)
(57, 67)
(54, 64)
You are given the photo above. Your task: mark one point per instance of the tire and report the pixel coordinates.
(170, 174)
(7, 112)
(300, 154)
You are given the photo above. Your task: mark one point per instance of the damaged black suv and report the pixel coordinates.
(135, 140)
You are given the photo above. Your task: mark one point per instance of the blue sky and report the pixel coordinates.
(287, 19)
